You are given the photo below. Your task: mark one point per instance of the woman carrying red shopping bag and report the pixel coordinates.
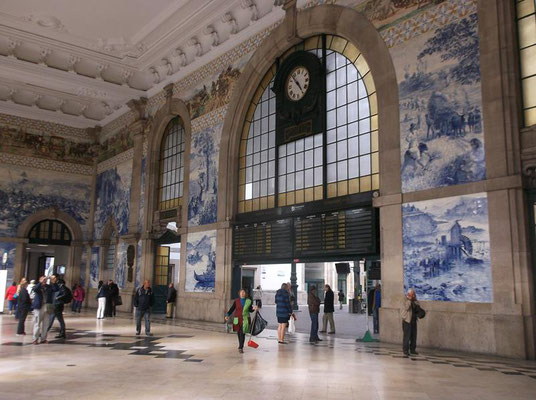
(242, 307)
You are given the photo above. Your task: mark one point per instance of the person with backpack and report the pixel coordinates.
(62, 296)
(24, 304)
(341, 298)
(39, 311)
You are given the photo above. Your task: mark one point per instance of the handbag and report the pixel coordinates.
(420, 312)
(291, 325)
(118, 301)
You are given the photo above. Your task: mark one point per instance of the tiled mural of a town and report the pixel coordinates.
(446, 249)
(94, 265)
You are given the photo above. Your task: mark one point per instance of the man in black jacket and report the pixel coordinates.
(171, 298)
(58, 289)
(143, 301)
(329, 309)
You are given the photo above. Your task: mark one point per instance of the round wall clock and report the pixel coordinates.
(297, 83)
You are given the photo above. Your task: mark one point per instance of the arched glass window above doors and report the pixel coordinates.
(340, 159)
(50, 232)
(171, 177)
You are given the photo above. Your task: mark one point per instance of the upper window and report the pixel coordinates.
(170, 186)
(526, 23)
(343, 159)
(50, 232)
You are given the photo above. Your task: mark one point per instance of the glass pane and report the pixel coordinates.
(364, 165)
(342, 151)
(331, 103)
(332, 172)
(342, 170)
(299, 180)
(353, 168)
(309, 158)
(364, 143)
(353, 147)
(318, 176)
(290, 163)
(332, 153)
(309, 178)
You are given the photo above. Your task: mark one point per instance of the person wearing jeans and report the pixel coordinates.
(314, 309)
(144, 301)
(39, 312)
(101, 299)
(376, 304)
(409, 323)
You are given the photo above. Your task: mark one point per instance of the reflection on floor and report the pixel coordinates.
(105, 360)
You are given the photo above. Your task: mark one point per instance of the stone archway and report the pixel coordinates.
(354, 27)
(75, 253)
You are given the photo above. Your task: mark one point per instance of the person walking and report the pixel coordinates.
(102, 292)
(283, 312)
(257, 296)
(78, 298)
(341, 298)
(60, 299)
(313, 302)
(377, 303)
(24, 304)
(11, 299)
(50, 290)
(144, 301)
(39, 312)
(409, 323)
(171, 299)
(241, 308)
(112, 300)
(73, 304)
(329, 309)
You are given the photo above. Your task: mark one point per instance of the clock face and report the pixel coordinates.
(297, 83)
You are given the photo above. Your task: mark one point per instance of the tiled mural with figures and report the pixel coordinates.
(21, 142)
(201, 262)
(203, 181)
(7, 259)
(121, 266)
(138, 264)
(24, 191)
(113, 198)
(438, 71)
(94, 265)
(447, 250)
(83, 267)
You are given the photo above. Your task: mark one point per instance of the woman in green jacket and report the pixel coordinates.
(241, 308)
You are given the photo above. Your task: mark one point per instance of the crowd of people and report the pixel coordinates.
(46, 301)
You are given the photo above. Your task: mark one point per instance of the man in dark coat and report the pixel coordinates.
(111, 299)
(329, 309)
(171, 298)
(144, 301)
(25, 304)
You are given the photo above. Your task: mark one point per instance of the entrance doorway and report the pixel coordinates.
(48, 249)
(166, 269)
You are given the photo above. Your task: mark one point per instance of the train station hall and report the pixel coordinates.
(268, 199)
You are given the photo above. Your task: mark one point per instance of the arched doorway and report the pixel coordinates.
(50, 241)
(48, 249)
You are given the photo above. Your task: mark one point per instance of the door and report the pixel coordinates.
(161, 279)
(248, 280)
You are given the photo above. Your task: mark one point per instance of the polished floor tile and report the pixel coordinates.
(105, 360)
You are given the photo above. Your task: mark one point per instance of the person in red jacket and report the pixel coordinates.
(10, 296)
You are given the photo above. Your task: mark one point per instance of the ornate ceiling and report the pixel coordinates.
(79, 62)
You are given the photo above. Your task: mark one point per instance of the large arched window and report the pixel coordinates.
(171, 181)
(342, 160)
(50, 232)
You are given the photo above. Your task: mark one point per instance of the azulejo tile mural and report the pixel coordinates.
(142, 193)
(94, 265)
(203, 183)
(447, 250)
(201, 262)
(83, 267)
(138, 264)
(7, 259)
(442, 134)
(121, 265)
(113, 197)
(24, 191)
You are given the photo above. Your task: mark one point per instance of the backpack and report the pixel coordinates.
(67, 295)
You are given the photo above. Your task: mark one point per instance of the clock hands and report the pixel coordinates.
(297, 83)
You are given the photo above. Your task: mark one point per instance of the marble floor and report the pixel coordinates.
(104, 360)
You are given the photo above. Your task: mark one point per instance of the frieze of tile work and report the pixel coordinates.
(41, 163)
(212, 118)
(427, 20)
(116, 160)
(43, 127)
